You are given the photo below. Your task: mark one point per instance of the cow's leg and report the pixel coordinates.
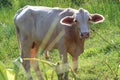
(25, 53)
(75, 64)
(34, 63)
(46, 54)
(63, 56)
(65, 66)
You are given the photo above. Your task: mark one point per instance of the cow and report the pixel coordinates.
(34, 23)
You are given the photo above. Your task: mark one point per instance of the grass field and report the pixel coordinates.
(101, 58)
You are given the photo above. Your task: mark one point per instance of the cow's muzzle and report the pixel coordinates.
(85, 35)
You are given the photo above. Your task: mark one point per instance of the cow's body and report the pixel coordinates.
(39, 20)
(33, 24)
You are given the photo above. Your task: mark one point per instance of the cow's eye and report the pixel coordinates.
(89, 19)
(76, 21)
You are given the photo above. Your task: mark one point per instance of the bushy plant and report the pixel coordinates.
(6, 74)
(5, 3)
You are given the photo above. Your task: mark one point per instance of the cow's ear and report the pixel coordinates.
(68, 20)
(96, 18)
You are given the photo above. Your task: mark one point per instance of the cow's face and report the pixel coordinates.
(82, 18)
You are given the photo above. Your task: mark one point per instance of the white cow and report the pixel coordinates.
(33, 23)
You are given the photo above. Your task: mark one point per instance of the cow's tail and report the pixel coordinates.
(17, 34)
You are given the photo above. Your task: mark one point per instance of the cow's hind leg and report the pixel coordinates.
(46, 53)
(25, 53)
(34, 62)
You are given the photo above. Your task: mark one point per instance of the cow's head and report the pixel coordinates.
(82, 18)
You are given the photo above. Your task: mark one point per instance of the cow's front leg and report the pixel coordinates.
(63, 74)
(75, 64)
(65, 66)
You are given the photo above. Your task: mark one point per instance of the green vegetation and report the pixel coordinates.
(6, 74)
(101, 59)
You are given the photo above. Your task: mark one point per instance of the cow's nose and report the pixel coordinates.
(85, 35)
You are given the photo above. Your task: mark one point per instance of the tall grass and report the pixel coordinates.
(99, 61)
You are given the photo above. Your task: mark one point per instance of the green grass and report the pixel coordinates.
(99, 61)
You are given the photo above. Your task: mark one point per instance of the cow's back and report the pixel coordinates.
(45, 21)
(35, 22)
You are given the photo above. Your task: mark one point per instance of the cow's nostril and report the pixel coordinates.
(81, 34)
(85, 35)
(88, 34)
